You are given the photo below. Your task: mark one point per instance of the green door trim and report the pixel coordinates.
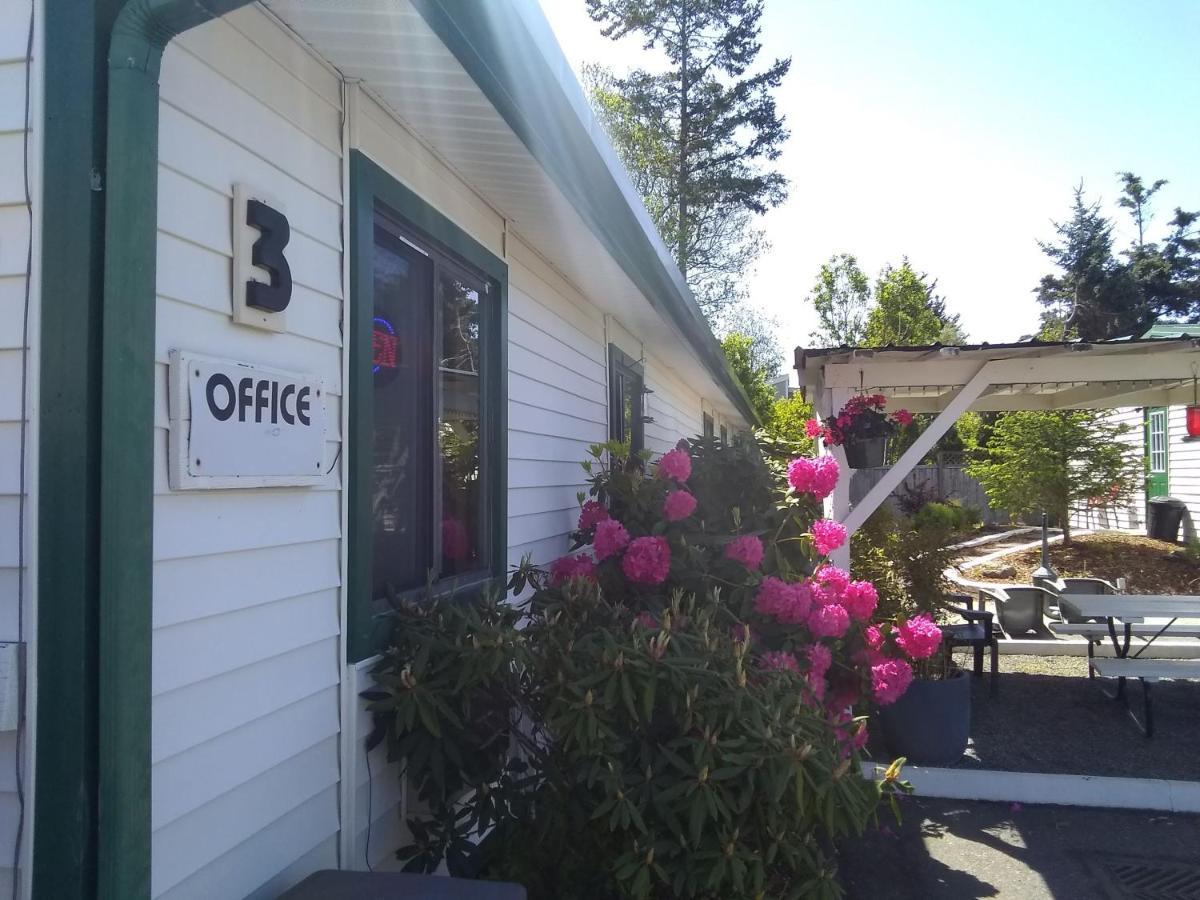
(1158, 483)
(92, 794)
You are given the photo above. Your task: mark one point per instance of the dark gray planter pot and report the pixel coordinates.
(866, 453)
(930, 724)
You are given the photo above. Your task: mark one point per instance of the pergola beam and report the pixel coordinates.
(1173, 364)
(925, 441)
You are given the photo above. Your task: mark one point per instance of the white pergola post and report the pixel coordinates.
(837, 504)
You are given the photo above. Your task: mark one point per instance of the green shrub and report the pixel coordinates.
(950, 516)
(639, 726)
(904, 561)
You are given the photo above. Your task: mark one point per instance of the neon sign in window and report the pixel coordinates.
(383, 346)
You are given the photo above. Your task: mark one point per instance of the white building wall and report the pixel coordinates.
(1183, 475)
(16, 357)
(247, 583)
(245, 710)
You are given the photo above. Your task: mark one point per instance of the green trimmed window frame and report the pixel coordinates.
(626, 399)
(372, 192)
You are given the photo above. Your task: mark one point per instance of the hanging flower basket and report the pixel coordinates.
(862, 427)
(866, 453)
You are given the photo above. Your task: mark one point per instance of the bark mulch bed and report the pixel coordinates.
(1151, 567)
(1047, 717)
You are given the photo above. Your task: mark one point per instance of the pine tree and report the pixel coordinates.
(1048, 461)
(718, 123)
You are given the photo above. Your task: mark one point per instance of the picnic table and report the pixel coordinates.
(1124, 617)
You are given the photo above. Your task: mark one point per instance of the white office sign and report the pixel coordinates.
(234, 424)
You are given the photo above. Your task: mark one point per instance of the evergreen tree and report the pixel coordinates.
(1096, 294)
(719, 126)
(907, 311)
(1048, 461)
(842, 299)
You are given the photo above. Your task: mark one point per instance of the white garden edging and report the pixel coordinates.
(1045, 788)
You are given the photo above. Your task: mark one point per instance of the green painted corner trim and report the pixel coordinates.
(73, 129)
(141, 32)
(525, 77)
(369, 184)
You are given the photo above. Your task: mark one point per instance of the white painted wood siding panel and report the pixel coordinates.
(14, 246)
(245, 723)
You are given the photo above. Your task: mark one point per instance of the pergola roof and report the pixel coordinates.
(1024, 375)
(949, 381)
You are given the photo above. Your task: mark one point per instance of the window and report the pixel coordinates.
(427, 404)
(626, 399)
(724, 435)
(709, 427)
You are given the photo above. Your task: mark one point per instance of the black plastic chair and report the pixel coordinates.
(978, 632)
(1064, 587)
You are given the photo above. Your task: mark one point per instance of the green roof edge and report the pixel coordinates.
(509, 50)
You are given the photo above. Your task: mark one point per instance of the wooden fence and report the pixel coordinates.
(947, 480)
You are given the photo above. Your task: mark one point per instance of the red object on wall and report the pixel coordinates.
(1193, 421)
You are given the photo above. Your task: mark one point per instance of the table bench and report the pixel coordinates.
(1124, 617)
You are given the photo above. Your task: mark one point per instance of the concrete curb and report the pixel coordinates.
(1045, 788)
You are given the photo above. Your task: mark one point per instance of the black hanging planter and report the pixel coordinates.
(866, 453)
(931, 723)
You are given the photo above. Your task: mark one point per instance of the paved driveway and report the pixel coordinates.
(958, 850)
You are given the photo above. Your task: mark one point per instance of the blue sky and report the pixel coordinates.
(953, 131)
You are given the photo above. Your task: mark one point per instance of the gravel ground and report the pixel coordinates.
(1047, 717)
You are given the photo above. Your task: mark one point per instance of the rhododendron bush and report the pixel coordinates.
(673, 709)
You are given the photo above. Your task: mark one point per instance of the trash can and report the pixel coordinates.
(1163, 517)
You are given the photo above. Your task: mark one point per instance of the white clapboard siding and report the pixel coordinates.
(1131, 515)
(245, 670)
(14, 247)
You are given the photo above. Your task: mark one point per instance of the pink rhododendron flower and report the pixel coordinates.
(570, 567)
(592, 513)
(833, 578)
(676, 465)
(902, 417)
(860, 599)
(812, 428)
(828, 535)
(825, 477)
(748, 550)
(646, 620)
(778, 661)
(611, 538)
(789, 603)
(772, 596)
(820, 658)
(800, 473)
(678, 506)
(798, 605)
(647, 561)
(874, 637)
(919, 637)
(830, 620)
(889, 680)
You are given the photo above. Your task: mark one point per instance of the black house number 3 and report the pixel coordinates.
(267, 253)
